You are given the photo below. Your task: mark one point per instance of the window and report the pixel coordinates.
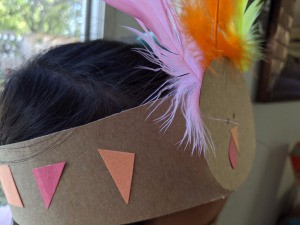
(27, 26)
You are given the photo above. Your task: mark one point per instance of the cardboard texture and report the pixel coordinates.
(47, 179)
(9, 187)
(166, 178)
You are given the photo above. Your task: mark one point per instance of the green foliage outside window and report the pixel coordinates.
(57, 17)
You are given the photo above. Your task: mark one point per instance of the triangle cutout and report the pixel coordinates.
(47, 179)
(120, 166)
(235, 135)
(9, 187)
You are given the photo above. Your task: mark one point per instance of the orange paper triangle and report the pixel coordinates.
(233, 154)
(9, 187)
(120, 166)
(235, 135)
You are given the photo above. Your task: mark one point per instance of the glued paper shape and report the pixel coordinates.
(47, 179)
(233, 153)
(9, 187)
(235, 135)
(120, 166)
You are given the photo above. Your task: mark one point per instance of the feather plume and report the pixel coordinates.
(175, 55)
(223, 28)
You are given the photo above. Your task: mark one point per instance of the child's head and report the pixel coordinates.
(72, 85)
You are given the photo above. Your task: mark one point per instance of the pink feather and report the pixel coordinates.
(176, 56)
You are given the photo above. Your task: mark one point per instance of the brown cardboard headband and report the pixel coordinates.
(122, 169)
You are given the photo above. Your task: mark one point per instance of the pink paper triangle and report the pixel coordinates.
(47, 179)
(120, 166)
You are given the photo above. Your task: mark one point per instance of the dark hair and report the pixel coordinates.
(72, 85)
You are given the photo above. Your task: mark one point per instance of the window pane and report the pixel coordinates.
(27, 26)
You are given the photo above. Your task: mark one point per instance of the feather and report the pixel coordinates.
(223, 29)
(178, 57)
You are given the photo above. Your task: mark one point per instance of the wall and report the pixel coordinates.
(297, 15)
(278, 127)
(115, 21)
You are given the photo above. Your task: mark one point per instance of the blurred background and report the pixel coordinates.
(29, 26)
(271, 194)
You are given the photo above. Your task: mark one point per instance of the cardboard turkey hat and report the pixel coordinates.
(123, 168)
(151, 177)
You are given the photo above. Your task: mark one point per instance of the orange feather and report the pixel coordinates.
(210, 23)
